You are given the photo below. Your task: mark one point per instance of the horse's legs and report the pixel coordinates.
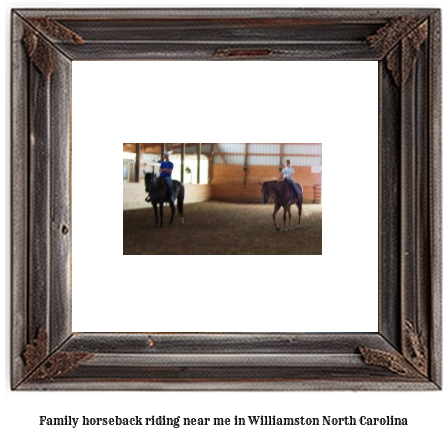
(284, 217)
(290, 214)
(171, 204)
(275, 210)
(156, 213)
(180, 198)
(300, 207)
(161, 214)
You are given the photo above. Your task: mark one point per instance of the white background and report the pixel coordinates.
(20, 411)
(227, 102)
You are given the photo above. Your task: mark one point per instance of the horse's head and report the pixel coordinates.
(265, 190)
(148, 178)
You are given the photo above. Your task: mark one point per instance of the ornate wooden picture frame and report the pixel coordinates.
(405, 353)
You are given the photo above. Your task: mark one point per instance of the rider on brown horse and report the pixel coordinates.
(287, 175)
(283, 196)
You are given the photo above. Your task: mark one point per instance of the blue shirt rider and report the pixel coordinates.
(165, 172)
(287, 174)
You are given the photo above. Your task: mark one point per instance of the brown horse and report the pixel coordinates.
(284, 196)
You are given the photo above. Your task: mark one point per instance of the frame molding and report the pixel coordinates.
(406, 352)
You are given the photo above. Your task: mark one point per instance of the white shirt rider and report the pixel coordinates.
(287, 173)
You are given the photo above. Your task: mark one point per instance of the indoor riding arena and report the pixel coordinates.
(224, 212)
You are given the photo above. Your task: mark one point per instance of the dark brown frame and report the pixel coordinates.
(405, 354)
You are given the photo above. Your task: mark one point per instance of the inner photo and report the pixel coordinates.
(222, 198)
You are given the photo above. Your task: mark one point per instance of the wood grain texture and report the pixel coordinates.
(39, 144)
(389, 207)
(409, 336)
(60, 201)
(19, 195)
(393, 362)
(435, 194)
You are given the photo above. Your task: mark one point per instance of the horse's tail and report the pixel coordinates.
(301, 198)
(180, 199)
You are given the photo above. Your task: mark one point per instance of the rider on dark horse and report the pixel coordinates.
(166, 168)
(287, 175)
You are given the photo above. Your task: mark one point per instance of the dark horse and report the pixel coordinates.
(159, 194)
(284, 196)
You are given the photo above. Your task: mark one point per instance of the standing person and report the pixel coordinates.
(165, 172)
(287, 174)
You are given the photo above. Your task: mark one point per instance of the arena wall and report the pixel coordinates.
(134, 194)
(234, 184)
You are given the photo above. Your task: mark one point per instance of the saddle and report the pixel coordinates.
(162, 181)
(293, 194)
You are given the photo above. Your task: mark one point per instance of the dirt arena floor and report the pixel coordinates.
(223, 228)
